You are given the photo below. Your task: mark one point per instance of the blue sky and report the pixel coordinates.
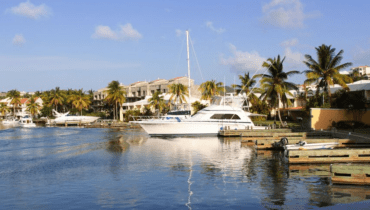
(87, 44)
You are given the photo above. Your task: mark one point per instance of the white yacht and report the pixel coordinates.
(224, 112)
(26, 122)
(62, 118)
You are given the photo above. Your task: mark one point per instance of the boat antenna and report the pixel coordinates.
(188, 59)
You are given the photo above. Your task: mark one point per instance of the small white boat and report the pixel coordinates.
(302, 145)
(10, 121)
(26, 122)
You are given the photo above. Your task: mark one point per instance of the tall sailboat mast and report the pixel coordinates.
(188, 59)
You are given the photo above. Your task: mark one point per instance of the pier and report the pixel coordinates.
(350, 174)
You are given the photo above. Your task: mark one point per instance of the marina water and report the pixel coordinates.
(81, 168)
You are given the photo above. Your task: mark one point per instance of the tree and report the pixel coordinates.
(178, 92)
(274, 84)
(157, 101)
(4, 109)
(33, 107)
(210, 89)
(15, 97)
(325, 71)
(115, 96)
(79, 100)
(246, 87)
(198, 106)
(57, 97)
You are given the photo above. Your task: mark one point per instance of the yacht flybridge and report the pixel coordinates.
(224, 112)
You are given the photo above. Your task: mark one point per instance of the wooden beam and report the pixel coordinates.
(356, 174)
(329, 156)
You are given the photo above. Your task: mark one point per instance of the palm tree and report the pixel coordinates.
(325, 71)
(79, 100)
(210, 89)
(246, 87)
(15, 97)
(157, 101)
(115, 96)
(33, 107)
(3, 109)
(198, 106)
(57, 97)
(178, 92)
(274, 85)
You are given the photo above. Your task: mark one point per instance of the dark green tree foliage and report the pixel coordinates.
(197, 106)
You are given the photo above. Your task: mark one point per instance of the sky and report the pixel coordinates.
(88, 43)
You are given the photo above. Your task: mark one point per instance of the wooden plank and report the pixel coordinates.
(349, 194)
(350, 174)
(255, 132)
(322, 170)
(329, 156)
(343, 143)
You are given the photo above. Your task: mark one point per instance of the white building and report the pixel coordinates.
(20, 110)
(362, 70)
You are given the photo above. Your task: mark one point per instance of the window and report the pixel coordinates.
(143, 93)
(225, 117)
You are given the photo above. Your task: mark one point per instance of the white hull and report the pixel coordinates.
(329, 145)
(156, 128)
(75, 119)
(29, 125)
(5, 122)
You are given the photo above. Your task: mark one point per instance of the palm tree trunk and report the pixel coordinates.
(280, 117)
(114, 113)
(116, 110)
(279, 110)
(329, 95)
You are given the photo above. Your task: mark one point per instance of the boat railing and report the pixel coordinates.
(144, 118)
(232, 124)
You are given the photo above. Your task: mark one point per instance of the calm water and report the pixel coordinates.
(78, 168)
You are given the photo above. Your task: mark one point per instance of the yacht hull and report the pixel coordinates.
(76, 119)
(188, 128)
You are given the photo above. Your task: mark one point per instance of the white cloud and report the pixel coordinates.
(29, 10)
(293, 59)
(57, 63)
(179, 32)
(286, 14)
(104, 32)
(243, 61)
(19, 40)
(209, 25)
(289, 43)
(126, 32)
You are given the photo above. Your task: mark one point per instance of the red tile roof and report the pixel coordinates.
(23, 100)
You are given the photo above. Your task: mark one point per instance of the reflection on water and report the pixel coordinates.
(101, 168)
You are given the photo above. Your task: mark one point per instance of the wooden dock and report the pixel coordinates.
(329, 156)
(342, 143)
(250, 132)
(350, 174)
(308, 170)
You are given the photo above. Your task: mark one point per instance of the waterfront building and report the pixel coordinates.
(20, 110)
(138, 93)
(361, 71)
